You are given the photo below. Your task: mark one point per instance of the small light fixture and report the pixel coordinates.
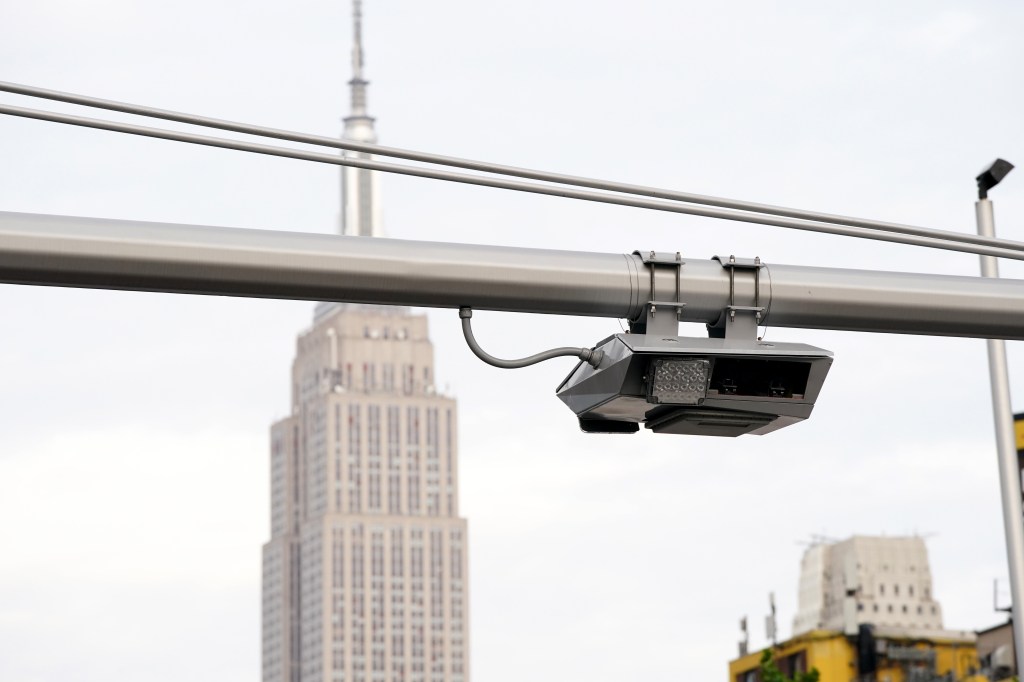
(992, 175)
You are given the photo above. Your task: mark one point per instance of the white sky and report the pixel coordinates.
(133, 453)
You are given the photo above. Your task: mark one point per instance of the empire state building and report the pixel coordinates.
(365, 572)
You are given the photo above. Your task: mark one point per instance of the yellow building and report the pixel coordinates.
(874, 654)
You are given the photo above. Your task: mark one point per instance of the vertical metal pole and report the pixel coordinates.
(1009, 473)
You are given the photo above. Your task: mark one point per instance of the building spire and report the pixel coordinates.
(360, 190)
(358, 83)
(361, 214)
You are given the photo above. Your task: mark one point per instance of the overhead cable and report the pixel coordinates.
(1002, 248)
(499, 169)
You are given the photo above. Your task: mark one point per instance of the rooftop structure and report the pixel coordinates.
(883, 581)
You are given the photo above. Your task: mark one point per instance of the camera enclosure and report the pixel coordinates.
(695, 386)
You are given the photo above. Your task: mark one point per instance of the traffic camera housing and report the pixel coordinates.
(695, 386)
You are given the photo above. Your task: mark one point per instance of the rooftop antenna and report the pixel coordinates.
(769, 621)
(358, 83)
(361, 209)
(815, 539)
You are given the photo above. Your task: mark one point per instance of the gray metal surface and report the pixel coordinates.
(653, 343)
(131, 255)
(879, 301)
(513, 171)
(619, 391)
(1006, 448)
(934, 239)
(140, 256)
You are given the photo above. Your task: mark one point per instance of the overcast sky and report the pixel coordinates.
(134, 448)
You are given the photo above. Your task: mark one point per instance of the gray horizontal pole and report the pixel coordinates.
(1004, 249)
(513, 171)
(139, 256)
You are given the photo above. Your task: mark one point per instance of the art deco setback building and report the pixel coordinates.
(364, 578)
(365, 573)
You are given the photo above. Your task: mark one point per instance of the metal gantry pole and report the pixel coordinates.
(1006, 448)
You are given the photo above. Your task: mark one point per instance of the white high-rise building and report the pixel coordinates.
(365, 573)
(882, 581)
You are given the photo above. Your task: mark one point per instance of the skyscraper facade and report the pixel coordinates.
(365, 573)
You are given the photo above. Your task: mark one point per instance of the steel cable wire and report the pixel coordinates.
(721, 208)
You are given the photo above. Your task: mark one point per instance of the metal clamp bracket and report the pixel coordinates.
(730, 325)
(667, 324)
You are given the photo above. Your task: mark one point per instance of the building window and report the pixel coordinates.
(373, 455)
(355, 473)
(394, 460)
(408, 379)
(412, 427)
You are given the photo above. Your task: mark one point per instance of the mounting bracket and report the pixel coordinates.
(740, 321)
(661, 316)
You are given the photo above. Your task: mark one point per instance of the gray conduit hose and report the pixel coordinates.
(588, 355)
